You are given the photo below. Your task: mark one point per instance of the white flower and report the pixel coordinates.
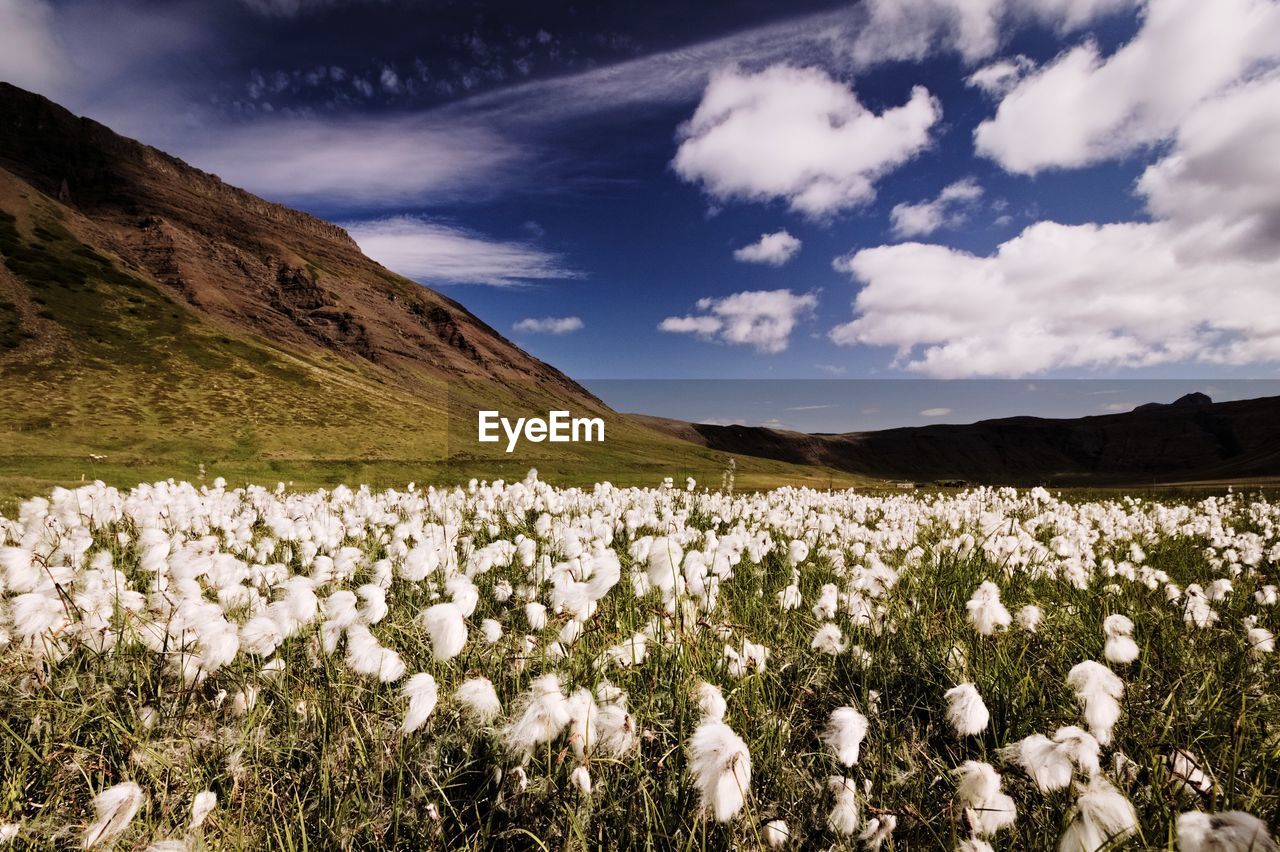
(1029, 618)
(581, 779)
(986, 808)
(829, 639)
(1098, 690)
(776, 834)
(201, 806)
(721, 768)
(479, 700)
(1102, 816)
(539, 716)
(1229, 831)
(986, 611)
(421, 693)
(710, 701)
(966, 712)
(845, 731)
(845, 814)
(447, 628)
(114, 808)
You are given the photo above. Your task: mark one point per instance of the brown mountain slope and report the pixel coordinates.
(156, 322)
(1192, 440)
(254, 265)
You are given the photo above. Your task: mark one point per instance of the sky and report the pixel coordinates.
(878, 190)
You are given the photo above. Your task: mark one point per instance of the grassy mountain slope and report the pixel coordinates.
(153, 315)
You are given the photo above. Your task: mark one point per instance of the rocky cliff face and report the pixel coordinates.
(252, 265)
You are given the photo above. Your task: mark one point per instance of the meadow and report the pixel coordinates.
(514, 665)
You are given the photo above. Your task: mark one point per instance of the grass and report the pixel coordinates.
(318, 762)
(131, 374)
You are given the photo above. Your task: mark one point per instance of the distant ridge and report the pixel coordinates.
(1191, 439)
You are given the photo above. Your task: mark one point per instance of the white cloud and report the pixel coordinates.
(773, 249)
(549, 325)
(914, 29)
(947, 210)
(1082, 108)
(433, 253)
(1194, 285)
(356, 162)
(833, 369)
(999, 77)
(797, 135)
(935, 412)
(30, 55)
(763, 319)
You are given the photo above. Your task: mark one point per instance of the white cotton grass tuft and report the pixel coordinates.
(422, 693)
(1120, 648)
(1051, 763)
(665, 559)
(986, 808)
(491, 629)
(987, 613)
(447, 628)
(201, 806)
(721, 769)
(536, 614)
(366, 656)
(479, 700)
(1102, 816)
(845, 815)
(974, 844)
(1261, 641)
(114, 808)
(776, 834)
(1186, 769)
(1098, 689)
(966, 712)
(711, 701)
(829, 640)
(846, 728)
(581, 779)
(1030, 617)
(539, 716)
(1228, 831)
(878, 831)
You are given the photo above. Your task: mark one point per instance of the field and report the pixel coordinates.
(521, 666)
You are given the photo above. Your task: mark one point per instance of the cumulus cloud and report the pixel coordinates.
(1193, 284)
(772, 249)
(433, 253)
(947, 210)
(1082, 108)
(797, 135)
(763, 319)
(914, 29)
(549, 325)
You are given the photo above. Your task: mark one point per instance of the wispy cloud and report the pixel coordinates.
(435, 253)
(935, 412)
(359, 161)
(549, 325)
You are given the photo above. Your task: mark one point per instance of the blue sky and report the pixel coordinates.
(581, 175)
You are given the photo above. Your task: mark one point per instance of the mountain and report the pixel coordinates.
(1191, 440)
(155, 316)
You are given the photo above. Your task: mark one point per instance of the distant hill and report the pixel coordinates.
(1192, 439)
(155, 316)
